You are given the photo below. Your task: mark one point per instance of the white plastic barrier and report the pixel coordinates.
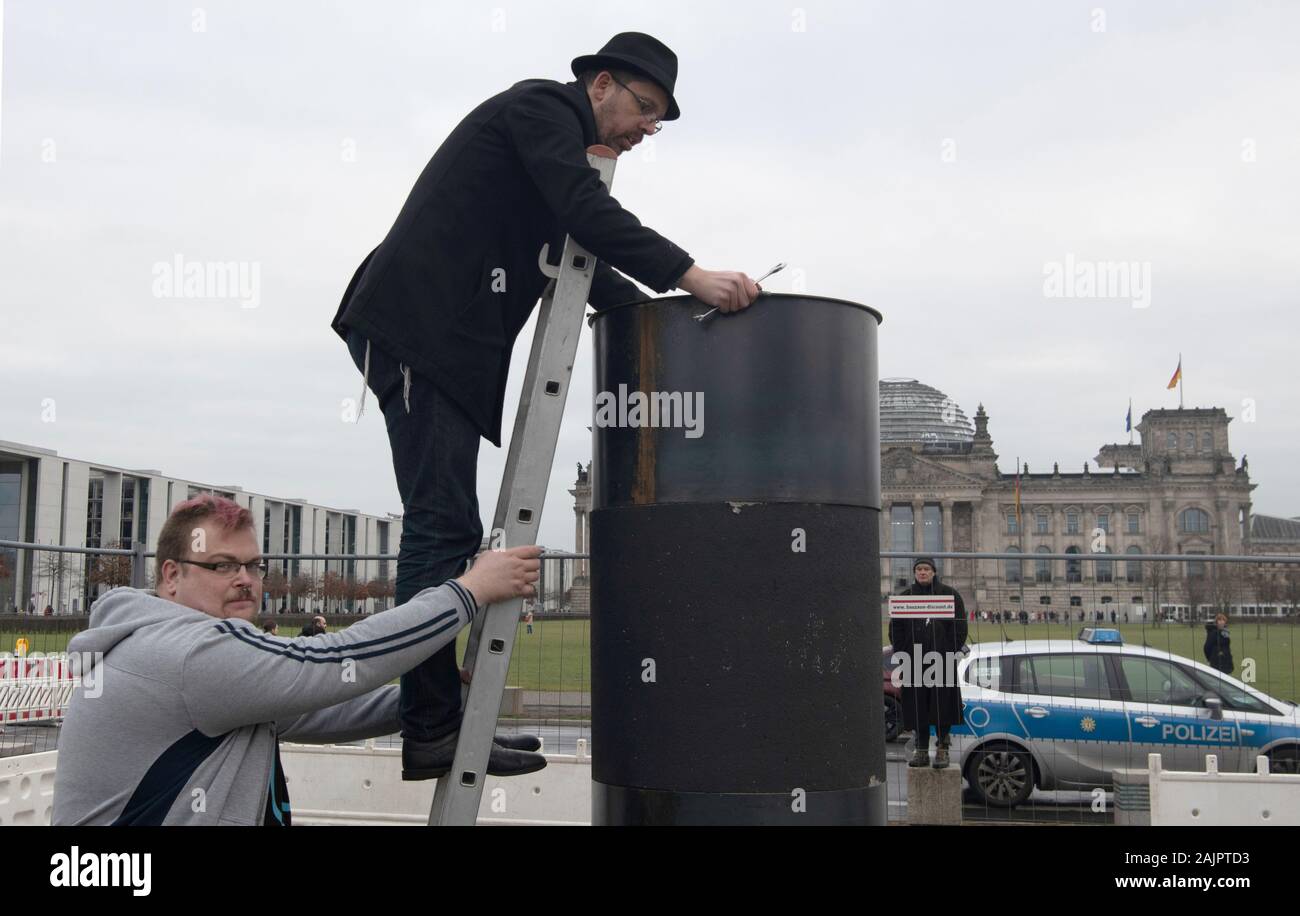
(1217, 799)
(27, 789)
(363, 785)
(350, 785)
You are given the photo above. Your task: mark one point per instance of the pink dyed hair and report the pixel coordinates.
(174, 539)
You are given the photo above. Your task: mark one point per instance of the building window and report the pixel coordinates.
(900, 526)
(1133, 526)
(95, 513)
(1012, 527)
(1072, 523)
(1044, 599)
(1043, 568)
(1194, 521)
(142, 510)
(1105, 570)
(1189, 442)
(1013, 567)
(1073, 568)
(1133, 568)
(127, 528)
(1195, 568)
(1103, 521)
(11, 489)
(1076, 601)
(1207, 441)
(1040, 522)
(932, 533)
(1171, 442)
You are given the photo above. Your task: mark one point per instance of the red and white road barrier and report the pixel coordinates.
(34, 689)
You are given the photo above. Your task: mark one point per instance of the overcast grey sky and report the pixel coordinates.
(927, 159)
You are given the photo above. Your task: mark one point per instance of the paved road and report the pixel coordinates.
(1049, 807)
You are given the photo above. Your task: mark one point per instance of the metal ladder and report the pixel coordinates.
(519, 511)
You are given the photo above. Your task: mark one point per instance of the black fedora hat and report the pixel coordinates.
(641, 53)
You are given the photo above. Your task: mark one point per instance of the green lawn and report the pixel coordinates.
(556, 656)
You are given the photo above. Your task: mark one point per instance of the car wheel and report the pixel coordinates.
(1001, 775)
(1284, 760)
(893, 718)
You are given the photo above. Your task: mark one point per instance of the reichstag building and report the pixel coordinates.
(1178, 490)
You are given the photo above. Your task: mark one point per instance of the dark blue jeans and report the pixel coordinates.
(435, 458)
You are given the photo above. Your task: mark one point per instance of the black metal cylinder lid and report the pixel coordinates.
(775, 403)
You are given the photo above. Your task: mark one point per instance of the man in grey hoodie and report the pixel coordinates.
(184, 700)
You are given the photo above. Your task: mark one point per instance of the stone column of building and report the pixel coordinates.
(979, 572)
(950, 566)
(918, 513)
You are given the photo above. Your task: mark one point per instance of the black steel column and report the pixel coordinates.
(735, 580)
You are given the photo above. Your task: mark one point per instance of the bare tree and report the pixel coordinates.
(111, 571)
(1227, 582)
(56, 568)
(1198, 588)
(301, 586)
(276, 586)
(1290, 588)
(1159, 576)
(1265, 586)
(382, 590)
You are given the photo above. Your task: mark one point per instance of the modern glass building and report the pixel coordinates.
(46, 498)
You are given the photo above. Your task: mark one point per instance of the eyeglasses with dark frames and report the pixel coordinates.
(648, 110)
(230, 568)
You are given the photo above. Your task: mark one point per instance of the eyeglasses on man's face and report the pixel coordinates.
(649, 111)
(228, 569)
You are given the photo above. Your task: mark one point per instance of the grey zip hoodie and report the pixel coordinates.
(178, 713)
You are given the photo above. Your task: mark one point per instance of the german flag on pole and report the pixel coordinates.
(1178, 375)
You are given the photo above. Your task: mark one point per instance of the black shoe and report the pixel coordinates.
(519, 742)
(432, 759)
(921, 758)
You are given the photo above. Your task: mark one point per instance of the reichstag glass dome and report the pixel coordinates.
(911, 412)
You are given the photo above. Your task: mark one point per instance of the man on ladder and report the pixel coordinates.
(431, 315)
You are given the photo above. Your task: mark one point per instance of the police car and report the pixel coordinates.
(1063, 714)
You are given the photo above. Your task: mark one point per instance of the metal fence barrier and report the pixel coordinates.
(1158, 601)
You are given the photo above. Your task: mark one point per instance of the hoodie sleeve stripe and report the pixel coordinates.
(435, 627)
(466, 596)
(298, 644)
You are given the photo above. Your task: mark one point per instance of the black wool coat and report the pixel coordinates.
(455, 279)
(1218, 648)
(926, 706)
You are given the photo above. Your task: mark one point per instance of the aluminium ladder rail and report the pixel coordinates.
(457, 795)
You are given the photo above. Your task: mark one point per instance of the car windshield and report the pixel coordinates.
(1233, 696)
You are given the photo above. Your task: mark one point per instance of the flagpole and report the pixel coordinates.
(1020, 542)
(1180, 381)
(1130, 421)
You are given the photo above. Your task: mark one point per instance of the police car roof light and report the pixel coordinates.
(1098, 636)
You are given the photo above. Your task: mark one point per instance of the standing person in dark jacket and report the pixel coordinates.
(1218, 645)
(431, 315)
(940, 705)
